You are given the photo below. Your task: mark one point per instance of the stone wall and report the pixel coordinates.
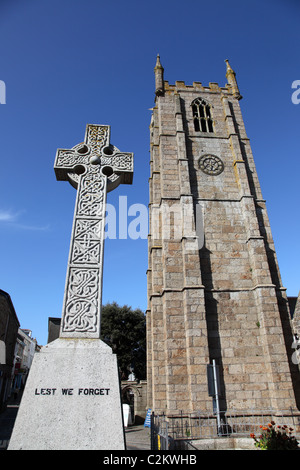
(137, 391)
(225, 301)
(9, 325)
(296, 317)
(296, 328)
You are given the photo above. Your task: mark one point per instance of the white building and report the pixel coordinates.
(24, 352)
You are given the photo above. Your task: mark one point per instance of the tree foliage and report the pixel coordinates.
(124, 330)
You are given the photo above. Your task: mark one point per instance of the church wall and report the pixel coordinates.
(224, 301)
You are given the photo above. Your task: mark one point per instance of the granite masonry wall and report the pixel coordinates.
(221, 298)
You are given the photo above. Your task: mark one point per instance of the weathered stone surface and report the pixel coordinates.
(296, 317)
(71, 400)
(224, 301)
(94, 168)
(72, 396)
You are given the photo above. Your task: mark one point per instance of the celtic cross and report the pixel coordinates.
(94, 167)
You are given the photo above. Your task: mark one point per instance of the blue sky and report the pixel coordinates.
(66, 63)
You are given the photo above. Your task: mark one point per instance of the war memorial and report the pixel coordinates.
(215, 295)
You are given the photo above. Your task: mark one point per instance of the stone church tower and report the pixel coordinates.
(214, 287)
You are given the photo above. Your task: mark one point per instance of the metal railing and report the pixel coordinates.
(166, 430)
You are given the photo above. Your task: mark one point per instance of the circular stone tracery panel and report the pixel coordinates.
(211, 165)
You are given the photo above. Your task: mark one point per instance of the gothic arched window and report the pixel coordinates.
(202, 116)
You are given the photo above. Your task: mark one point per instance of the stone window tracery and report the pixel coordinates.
(202, 116)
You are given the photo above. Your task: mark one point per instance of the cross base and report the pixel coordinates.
(71, 400)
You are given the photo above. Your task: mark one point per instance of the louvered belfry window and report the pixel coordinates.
(202, 116)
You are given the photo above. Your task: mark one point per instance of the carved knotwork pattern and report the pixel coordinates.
(86, 253)
(123, 162)
(97, 137)
(82, 166)
(82, 307)
(87, 229)
(70, 158)
(91, 194)
(82, 302)
(87, 242)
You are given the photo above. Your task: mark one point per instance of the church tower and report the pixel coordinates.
(214, 287)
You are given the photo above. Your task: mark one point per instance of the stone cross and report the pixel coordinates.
(94, 168)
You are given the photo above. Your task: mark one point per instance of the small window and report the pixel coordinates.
(202, 116)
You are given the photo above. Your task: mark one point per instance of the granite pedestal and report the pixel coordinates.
(71, 400)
